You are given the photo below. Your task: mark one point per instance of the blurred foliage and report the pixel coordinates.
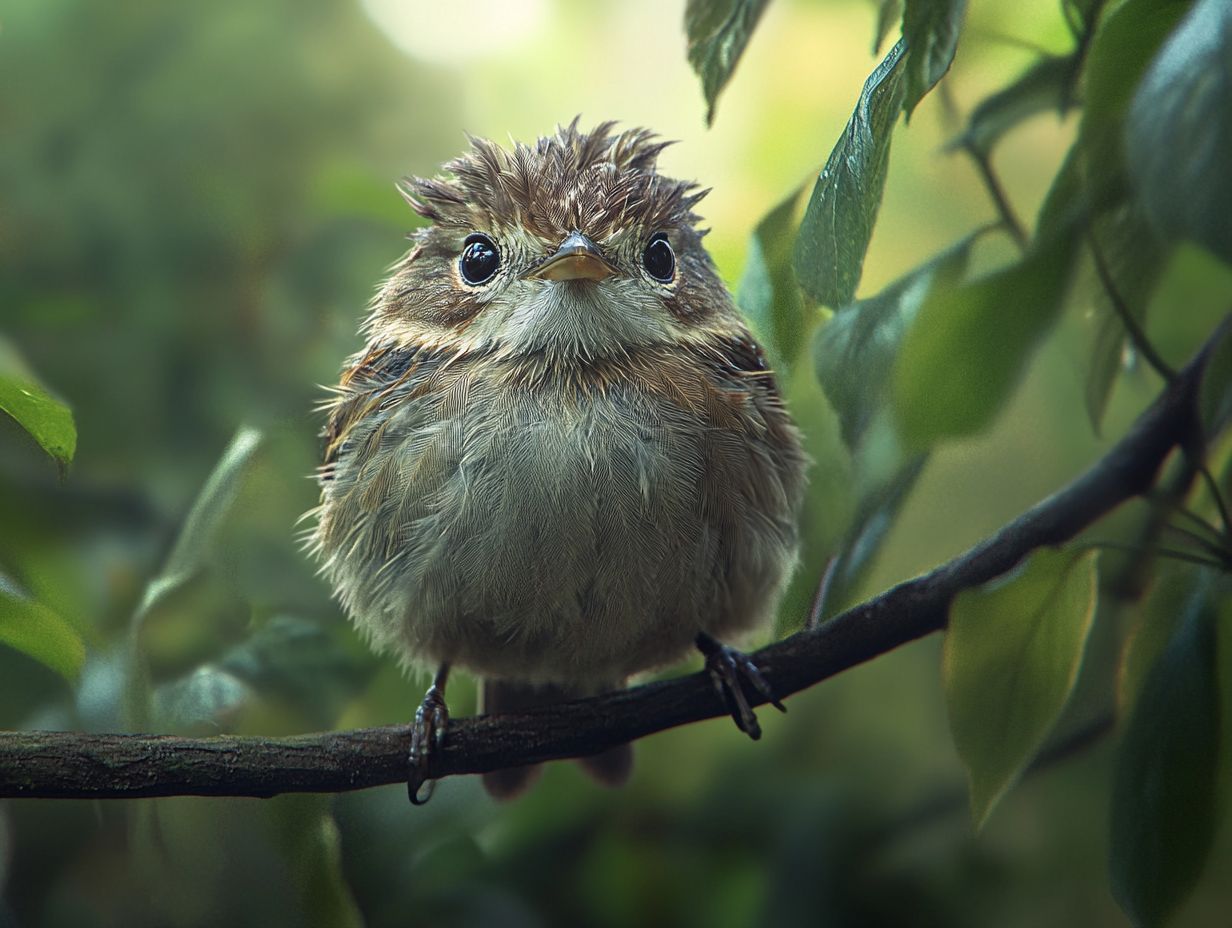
(1163, 802)
(197, 201)
(942, 393)
(1188, 82)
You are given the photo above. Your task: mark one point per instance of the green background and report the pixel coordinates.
(196, 201)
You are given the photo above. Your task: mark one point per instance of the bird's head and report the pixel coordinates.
(575, 247)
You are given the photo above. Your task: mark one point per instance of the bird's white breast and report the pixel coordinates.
(547, 534)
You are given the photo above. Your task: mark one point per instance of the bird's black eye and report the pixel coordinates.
(659, 259)
(479, 259)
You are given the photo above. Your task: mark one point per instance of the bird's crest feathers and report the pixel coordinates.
(599, 182)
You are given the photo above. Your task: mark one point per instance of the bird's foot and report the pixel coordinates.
(729, 670)
(427, 735)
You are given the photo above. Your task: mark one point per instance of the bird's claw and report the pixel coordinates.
(729, 669)
(427, 735)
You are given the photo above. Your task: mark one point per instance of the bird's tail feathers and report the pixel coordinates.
(611, 767)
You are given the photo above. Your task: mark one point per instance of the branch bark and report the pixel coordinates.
(113, 766)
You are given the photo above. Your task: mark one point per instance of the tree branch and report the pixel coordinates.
(66, 764)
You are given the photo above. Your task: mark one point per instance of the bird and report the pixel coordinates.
(561, 458)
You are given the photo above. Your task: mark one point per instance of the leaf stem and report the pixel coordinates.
(1008, 218)
(1076, 26)
(1211, 547)
(1083, 37)
(1212, 486)
(1174, 553)
(1137, 335)
(1164, 499)
(1013, 41)
(1130, 581)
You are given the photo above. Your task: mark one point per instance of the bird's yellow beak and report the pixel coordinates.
(577, 258)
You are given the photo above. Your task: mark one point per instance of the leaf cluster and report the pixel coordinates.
(937, 356)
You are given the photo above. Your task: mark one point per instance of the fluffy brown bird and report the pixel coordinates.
(561, 458)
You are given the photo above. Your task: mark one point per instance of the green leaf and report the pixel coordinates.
(1161, 613)
(854, 355)
(768, 293)
(855, 351)
(1123, 45)
(1010, 660)
(880, 502)
(969, 345)
(1107, 361)
(40, 633)
(1084, 12)
(842, 209)
(1164, 787)
(299, 662)
(205, 518)
(304, 830)
(1066, 208)
(1215, 393)
(189, 555)
(930, 29)
(1043, 86)
(49, 421)
(829, 503)
(718, 31)
(1135, 260)
(1179, 131)
(889, 12)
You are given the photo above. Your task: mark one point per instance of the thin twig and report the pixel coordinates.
(1076, 26)
(1131, 581)
(1008, 40)
(1212, 487)
(1210, 547)
(1084, 37)
(70, 764)
(1137, 335)
(1180, 509)
(1173, 553)
(1011, 222)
